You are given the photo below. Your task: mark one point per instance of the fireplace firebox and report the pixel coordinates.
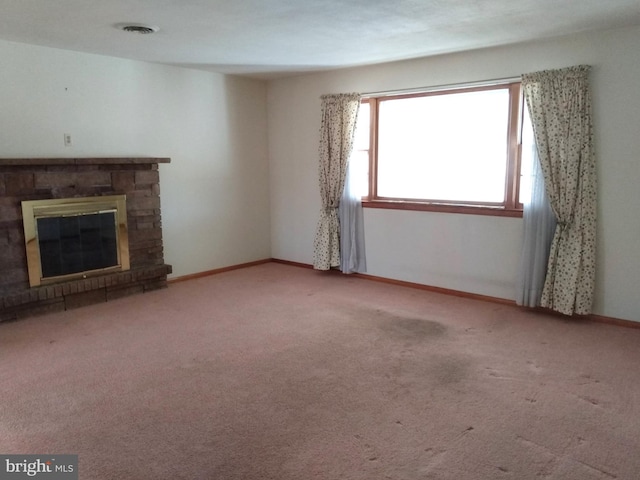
(75, 237)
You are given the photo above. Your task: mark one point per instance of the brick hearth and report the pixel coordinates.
(45, 178)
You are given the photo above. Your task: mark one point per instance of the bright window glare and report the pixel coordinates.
(444, 147)
(527, 158)
(359, 161)
(361, 136)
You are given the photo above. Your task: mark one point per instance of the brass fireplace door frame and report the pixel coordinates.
(34, 209)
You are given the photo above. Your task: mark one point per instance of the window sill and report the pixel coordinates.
(442, 208)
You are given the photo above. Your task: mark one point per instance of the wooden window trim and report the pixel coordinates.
(441, 207)
(510, 208)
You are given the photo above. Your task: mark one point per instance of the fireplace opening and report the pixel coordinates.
(75, 238)
(77, 243)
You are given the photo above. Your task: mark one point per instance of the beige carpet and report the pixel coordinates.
(278, 372)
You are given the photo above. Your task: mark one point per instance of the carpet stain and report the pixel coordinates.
(590, 400)
(587, 380)
(465, 433)
(406, 328)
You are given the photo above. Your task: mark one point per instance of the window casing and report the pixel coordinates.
(411, 137)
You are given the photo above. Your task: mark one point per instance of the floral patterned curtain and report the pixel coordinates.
(339, 115)
(559, 102)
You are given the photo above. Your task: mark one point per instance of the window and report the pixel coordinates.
(454, 150)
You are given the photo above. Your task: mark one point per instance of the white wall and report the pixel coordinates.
(214, 193)
(475, 254)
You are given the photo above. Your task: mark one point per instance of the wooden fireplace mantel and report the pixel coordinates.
(30, 162)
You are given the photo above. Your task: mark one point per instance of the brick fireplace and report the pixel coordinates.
(58, 178)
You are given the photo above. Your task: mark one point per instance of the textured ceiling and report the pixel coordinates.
(267, 38)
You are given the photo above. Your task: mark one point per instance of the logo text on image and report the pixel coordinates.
(50, 467)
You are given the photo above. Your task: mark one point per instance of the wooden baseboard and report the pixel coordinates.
(619, 322)
(485, 298)
(293, 264)
(429, 288)
(215, 271)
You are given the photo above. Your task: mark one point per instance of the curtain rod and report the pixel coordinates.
(435, 88)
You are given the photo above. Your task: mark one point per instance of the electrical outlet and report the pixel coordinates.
(67, 139)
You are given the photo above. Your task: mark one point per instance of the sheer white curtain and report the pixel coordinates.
(352, 250)
(539, 224)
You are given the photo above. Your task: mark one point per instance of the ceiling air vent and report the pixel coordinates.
(137, 28)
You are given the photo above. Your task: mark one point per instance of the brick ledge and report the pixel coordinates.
(77, 293)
